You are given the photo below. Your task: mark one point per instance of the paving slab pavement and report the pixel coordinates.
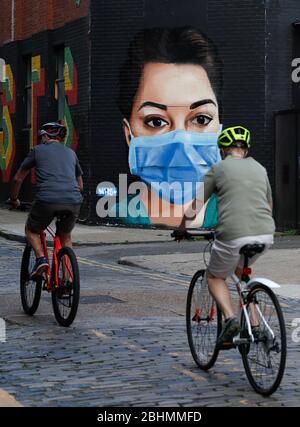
(280, 265)
(12, 227)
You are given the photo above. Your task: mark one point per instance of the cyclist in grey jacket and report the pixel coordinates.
(244, 203)
(58, 190)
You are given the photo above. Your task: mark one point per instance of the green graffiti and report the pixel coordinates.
(77, 2)
(68, 120)
(69, 63)
(6, 87)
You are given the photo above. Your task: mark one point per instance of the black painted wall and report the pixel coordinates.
(254, 38)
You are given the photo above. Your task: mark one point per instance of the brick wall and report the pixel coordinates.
(32, 17)
(5, 28)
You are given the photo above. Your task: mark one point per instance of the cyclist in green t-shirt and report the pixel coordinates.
(244, 204)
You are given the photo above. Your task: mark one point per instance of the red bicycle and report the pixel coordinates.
(61, 280)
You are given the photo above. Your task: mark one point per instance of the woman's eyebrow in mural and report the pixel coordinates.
(153, 104)
(202, 102)
(165, 107)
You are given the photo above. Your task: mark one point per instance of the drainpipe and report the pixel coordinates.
(13, 19)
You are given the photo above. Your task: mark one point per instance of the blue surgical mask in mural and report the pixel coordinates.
(174, 163)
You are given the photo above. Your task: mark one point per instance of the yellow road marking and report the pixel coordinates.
(119, 268)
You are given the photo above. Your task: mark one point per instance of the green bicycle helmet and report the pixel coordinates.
(234, 136)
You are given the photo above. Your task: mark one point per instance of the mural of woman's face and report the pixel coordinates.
(173, 97)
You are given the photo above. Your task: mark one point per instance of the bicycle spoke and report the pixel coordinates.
(65, 298)
(202, 322)
(30, 289)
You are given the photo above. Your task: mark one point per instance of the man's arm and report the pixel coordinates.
(191, 213)
(203, 194)
(78, 173)
(269, 194)
(80, 183)
(16, 186)
(23, 171)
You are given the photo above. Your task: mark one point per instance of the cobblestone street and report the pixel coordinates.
(127, 346)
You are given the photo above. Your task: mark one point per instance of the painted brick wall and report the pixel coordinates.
(254, 37)
(73, 35)
(237, 28)
(32, 17)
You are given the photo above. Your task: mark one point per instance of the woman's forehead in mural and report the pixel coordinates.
(174, 85)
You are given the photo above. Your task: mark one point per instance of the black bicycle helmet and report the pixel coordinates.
(54, 130)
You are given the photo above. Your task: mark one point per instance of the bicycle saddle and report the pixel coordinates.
(252, 249)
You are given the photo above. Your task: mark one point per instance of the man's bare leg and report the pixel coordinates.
(220, 292)
(35, 242)
(253, 318)
(66, 240)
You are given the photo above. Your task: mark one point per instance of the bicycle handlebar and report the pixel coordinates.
(23, 205)
(190, 234)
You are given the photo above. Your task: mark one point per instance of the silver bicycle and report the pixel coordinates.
(262, 339)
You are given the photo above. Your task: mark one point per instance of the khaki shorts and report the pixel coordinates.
(226, 257)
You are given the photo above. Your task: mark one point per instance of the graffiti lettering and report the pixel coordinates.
(296, 71)
(296, 331)
(2, 70)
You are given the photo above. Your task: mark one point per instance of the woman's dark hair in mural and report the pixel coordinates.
(184, 45)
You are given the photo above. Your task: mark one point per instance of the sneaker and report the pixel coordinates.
(231, 328)
(41, 265)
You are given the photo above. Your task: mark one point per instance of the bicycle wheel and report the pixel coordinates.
(65, 298)
(203, 322)
(30, 289)
(264, 359)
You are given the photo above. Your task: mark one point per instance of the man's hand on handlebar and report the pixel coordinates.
(180, 234)
(14, 203)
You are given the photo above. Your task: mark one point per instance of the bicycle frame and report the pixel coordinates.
(244, 287)
(51, 281)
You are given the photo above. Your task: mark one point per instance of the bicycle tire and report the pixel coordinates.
(211, 322)
(57, 298)
(264, 341)
(29, 307)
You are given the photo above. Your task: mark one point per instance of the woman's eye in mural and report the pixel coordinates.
(155, 122)
(201, 120)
